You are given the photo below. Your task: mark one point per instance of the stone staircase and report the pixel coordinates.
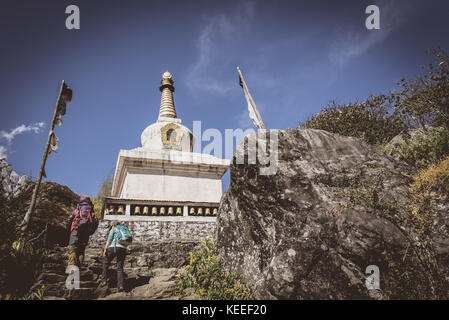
(147, 265)
(53, 276)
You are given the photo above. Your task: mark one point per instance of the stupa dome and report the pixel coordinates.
(167, 132)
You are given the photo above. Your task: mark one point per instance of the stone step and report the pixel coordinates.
(95, 269)
(53, 266)
(89, 284)
(59, 289)
(57, 249)
(56, 260)
(52, 277)
(55, 289)
(81, 294)
(88, 276)
(94, 255)
(136, 273)
(60, 271)
(93, 252)
(53, 298)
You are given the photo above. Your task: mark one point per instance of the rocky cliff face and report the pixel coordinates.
(12, 182)
(333, 208)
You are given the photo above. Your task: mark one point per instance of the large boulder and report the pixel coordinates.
(331, 209)
(161, 285)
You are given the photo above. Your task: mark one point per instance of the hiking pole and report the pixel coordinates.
(64, 96)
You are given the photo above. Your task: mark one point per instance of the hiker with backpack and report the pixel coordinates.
(82, 223)
(116, 246)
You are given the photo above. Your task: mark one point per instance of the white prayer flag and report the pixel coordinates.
(253, 112)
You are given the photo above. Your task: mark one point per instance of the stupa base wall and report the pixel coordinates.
(156, 244)
(147, 231)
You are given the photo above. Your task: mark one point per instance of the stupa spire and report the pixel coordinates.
(167, 108)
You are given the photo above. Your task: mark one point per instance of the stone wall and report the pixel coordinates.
(144, 231)
(157, 244)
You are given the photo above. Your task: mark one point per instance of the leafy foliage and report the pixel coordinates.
(208, 279)
(36, 295)
(424, 99)
(371, 120)
(106, 185)
(423, 149)
(98, 205)
(103, 191)
(421, 101)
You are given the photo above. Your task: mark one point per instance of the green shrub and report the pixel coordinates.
(207, 278)
(424, 149)
(98, 206)
(104, 191)
(421, 101)
(36, 295)
(424, 99)
(370, 120)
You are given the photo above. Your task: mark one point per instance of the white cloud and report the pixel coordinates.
(9, 136)
(217, 31)
(353, 43)
(3, 152)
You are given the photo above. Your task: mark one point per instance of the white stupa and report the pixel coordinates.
(164, 178)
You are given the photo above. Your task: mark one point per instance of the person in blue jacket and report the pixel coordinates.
(115, 248)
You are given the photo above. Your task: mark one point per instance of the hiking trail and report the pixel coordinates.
(159, 283)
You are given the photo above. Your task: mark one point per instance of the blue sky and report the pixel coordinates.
(296, 56)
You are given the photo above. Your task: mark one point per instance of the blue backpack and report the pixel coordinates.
(123, 236)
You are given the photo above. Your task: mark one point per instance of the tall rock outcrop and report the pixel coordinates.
(54, 204)
(12, 182)
(334, 207)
